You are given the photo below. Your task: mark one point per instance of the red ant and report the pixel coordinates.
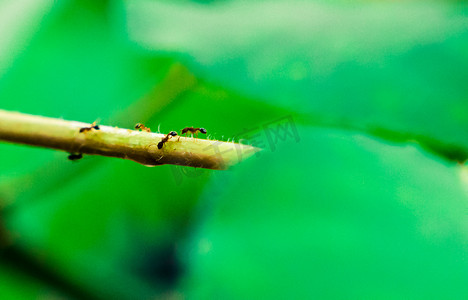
(142, 127)
(93, 126)
(166, 138)
(75, 156)
(193, 130)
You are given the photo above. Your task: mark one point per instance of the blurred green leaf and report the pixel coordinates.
(400, 67)
(337, 214)
(359, 219)
(18, 286)
(18, 22)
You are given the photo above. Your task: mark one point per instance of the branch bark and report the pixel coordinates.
(123, 143)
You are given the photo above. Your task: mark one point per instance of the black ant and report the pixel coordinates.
(75, 156)
(166, 138)
(93, 126)
(142, 127)
(193, 130)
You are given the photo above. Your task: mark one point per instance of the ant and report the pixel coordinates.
(93, 126)
(142, 127)
(193, 130)
(75, 156)
(166, 138)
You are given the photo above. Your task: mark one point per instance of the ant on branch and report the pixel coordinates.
(142, 127)
(93, 126)
(75, 156)
(166, 138)
(193, 130)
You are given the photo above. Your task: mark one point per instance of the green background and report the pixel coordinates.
(361, 191)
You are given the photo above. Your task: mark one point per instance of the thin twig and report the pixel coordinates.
(141, 147)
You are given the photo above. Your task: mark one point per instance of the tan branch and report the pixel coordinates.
(141, 147)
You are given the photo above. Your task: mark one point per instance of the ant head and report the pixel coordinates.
(96, 127)
(138, 125)
(203, 130)
(173, 133)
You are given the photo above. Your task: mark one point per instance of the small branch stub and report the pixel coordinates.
(139, 146)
